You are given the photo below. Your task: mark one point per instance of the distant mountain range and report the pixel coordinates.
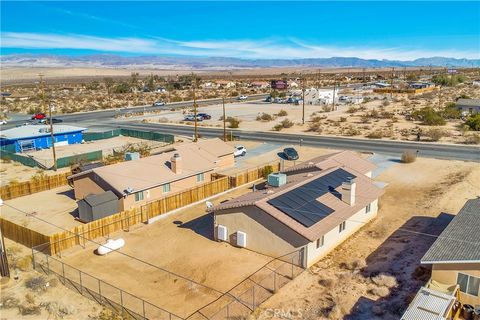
(212, 63)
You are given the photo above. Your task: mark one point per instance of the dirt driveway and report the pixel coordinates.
(419, 202)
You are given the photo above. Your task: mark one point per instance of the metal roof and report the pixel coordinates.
(459, 242)
(34, 131)
(429, 304)
(94, 200)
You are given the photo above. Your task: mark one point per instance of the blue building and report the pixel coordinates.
(36, 137)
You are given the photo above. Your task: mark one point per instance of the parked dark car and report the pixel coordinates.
(54, 120)
(291, 153)
(205, 116)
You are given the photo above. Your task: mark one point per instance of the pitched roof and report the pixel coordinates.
(98, 199)
(468, 102)
(153, 171)
(32, 131)
(366, 192)
(459, 242)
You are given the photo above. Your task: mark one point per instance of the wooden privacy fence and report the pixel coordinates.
(254, 174)
(37, 184)
(22, 235)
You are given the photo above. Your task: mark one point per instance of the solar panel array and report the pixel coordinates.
(300, 203)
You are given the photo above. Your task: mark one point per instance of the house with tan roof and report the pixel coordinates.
(314, 208)
(144, 180)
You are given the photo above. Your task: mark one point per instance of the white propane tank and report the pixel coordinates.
(110, 246)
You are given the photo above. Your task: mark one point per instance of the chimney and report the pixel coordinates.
(348, 191)
(176, 163)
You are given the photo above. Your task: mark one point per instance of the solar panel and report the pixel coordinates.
(300, 203)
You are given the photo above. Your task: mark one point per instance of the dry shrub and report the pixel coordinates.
(163, 120)
(58, 310)
(327, 283)
(24, 263)
(380, 291)
(472, 138)
(315, 127)
(343, 119)
(385, 280)
(376, 134)
(408, 157)
(36, 283)
(282, 113)
(264, 117)
(436, 134)
(8, 301)
(356, 264)
(351, 131)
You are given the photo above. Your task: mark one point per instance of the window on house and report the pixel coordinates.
(200, 177)
(166, 187)
(139, 196)
(341, 227)
(367, 208)
(468, 284)
(320, 242)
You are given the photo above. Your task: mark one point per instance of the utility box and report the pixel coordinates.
(277, 179)
(132, 156)
(222, 233)
(241, 239)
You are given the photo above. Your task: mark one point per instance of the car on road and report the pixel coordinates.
(191, 117)
(205, 116)
(240, 151)
(269, 99)
(290, 153)
(54, 120)
(159, 103)
(242, 98)
(3, 121)
(39, 116)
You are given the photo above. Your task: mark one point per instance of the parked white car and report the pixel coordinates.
(243, 98)
(3, 121)
(191, 117)
(240, 151)
(159, 103)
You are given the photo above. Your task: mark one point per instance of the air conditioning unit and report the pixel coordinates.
(241, 239)
(222, 233)
(277, 179)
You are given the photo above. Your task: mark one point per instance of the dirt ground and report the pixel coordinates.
(57, 206)
(181, 243)
(48, 302)
(14, 171)
(347, 120)
(419, 202)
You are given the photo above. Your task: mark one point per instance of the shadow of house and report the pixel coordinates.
(68, 193)
(202, 225)
(399, 256)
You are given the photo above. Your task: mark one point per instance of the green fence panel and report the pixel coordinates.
(26, 161)
(147, 135)
(79, 158)
(92, 136)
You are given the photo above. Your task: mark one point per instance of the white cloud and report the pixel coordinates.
(249, 49)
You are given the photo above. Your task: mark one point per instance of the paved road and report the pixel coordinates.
(432, 150)
(109, 114)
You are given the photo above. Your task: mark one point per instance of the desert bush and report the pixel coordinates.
(163, 120)
(233, 122)
(277, 127)
(473, 122)
(8, 301)
(327, 283)
(356, 264)
(351, 131)
(264, 117)
(435, 134)
(385, 103)
(23, 263)
(343, 119)
(352, 110)
(429, 116)
(451, 111)
(36, 283)
(287, 123)
(376, 134)
(473, 138)
(58, 310)
(385, 280)
(408, 157)
(282, 113)
(380, 291)
(315, 127)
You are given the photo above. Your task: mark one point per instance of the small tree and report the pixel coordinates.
(473, 122)
(408, 157)
(233, 122)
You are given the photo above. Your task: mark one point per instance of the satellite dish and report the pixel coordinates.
(209, 204)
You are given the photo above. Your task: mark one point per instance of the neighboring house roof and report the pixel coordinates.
(468, 102)
(34, 131)
(429, 304)
(326, 185)
(94, 200)
(153, 171)
(340, 159)
(458, 243)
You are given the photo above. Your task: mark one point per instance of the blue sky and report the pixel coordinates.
(257, 30)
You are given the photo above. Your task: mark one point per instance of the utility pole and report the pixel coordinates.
(363, 71)
(52, 136)
(334, 87)
(195, 135)
(391, 83)
(303, 100)
(224, 120)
